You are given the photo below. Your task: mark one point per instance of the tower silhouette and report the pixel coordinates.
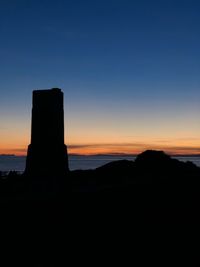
(47, 153)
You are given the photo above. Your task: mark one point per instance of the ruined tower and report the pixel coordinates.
(47, 153)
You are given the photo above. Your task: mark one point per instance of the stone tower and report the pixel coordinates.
(47, 153)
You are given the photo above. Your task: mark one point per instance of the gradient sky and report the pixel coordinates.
(130, 71)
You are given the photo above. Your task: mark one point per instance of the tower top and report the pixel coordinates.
(56, 89)
(48, 90)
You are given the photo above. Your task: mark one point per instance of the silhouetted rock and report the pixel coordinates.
(150, 168)
(153, 158)
(162, 167)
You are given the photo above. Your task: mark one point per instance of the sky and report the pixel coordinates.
(129, 71)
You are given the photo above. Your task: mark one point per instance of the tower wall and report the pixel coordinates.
(47, 153)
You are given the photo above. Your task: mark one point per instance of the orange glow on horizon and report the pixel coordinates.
(121, 148)
(134, 151)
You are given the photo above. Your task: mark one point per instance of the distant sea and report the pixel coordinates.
(17, 163)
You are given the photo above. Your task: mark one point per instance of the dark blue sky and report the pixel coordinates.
(129, 68)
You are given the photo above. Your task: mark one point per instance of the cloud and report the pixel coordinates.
(135, 147)
(76, 146)
(184, 148)
(17, 151)
(122, 148)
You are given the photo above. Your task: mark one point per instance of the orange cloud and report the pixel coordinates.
(131, 148)
(170, 147)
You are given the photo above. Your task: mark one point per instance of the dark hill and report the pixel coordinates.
(152, 168)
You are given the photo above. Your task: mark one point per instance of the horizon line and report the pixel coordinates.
(114, 154)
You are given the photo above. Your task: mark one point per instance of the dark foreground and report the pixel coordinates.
(115, 214)
(153, 181)
(153, 189)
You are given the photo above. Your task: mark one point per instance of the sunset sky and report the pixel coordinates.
(129, 70)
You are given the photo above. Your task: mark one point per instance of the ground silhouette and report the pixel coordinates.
(93, 212)
(151, 168)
